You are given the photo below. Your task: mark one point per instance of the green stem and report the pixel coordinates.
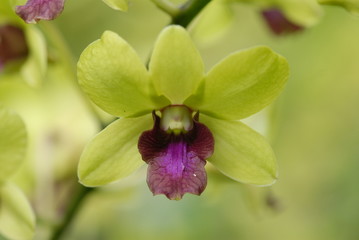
(188, 12)
(182, 14)
(71, 212)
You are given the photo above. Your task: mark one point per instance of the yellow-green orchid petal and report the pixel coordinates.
(13, 141)
(113, 153)
(121, 5)
(241, 153)
(241, 84)
(115, 78)
(302, 12)
(176, 67)
(213, 21)
(17, 220)
(351, 5)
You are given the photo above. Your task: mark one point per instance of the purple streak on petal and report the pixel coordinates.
(176, 171)
(176, 162)
(278, 23)
(12, 44)
(35, 10)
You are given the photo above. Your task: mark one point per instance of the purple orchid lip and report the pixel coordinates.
(176, 161)
(279, 23)
(12, 44)
(35, 10)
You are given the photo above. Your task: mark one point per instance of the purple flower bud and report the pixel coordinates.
(279, 23)
(35, 10)
(12, 44)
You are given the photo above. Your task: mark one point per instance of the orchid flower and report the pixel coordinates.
(194, 115)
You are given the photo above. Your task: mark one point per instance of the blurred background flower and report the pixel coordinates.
(12, 45)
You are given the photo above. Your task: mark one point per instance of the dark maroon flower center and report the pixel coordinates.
(176, 159)
(279, 23)
(12, 44)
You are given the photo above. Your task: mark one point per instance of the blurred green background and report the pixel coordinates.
(313, 127)
(314, 130)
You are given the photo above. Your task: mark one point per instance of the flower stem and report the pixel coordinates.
(71, 211)
(188, 12)
(182, 14)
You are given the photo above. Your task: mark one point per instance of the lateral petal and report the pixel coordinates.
(241, 84)
(113, 153)
(115, 78)
(241, 153)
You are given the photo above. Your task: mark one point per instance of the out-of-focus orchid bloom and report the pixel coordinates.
(36, 10)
